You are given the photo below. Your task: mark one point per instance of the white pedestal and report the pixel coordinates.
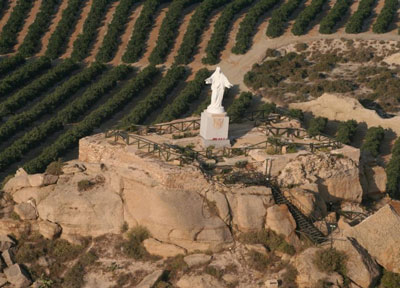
(214, 129)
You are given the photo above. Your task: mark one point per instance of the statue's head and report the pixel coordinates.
(218, 70)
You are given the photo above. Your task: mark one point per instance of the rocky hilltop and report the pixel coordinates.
(200, 229)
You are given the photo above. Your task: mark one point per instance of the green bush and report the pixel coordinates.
(7, 65)
(23, 75)
(8, 36)
(296, 113)
(317, 126)
(238, 108)
(304, 19)
(37, 87)
(331, 260)
(133, 247)
(390, 280)
(373, 140)
(248, 25)
(221, 30)
(55, 168)
(115, 29)
(330, 21)
(269, 239)
(393, 172)
(85, 40)
(386, 17)
(59, 39)
(169, 30)
(280, 17)
(32, 40)
(356, 21)
(143, 25)
(346, 131)
(195, 29)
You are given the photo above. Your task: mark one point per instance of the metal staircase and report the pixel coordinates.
(304, 225)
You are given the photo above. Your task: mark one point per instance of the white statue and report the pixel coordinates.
(218, 83)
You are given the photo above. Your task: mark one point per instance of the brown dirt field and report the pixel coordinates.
(78, 29)
(52, 28)
(179, 39)
(232, 35)
(353, 8)
(7, 14)
(152, 40)
(31, 18)
(126, 35)
(315, 28)
(102, 32)
(377, 10)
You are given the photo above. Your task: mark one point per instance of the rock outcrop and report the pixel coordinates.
(337, 177)
(282, 222)
(379, 234)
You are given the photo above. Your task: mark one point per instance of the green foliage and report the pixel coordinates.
(317, 126)
(390, 280)
(169, 30)
(356, 21)
(306, 16)
(23, 75)
(330, 21)
(55, 168)
(195, 29)
(133, 247)
(258, 260)
(142, 28)
(10, 63)
(269, 239)
(37, 87)
(182, 102)
(32, 40)
(386, 17)
(14, 25)
(59, 39)
(248, 25)
(280, 17)
(115, 29)
(67, 115)
(221, 30)
(268, 108)
(239, 106)
(50, 102)
(393, 172)
(346, 131)
(114, 104)
(270, 73)
(156, 98)
(296, 113)
(84, 42)
(331, 260)
(373, 140)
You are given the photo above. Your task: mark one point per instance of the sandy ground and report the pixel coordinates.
(52, 28)
(7, 14)
(78, 29)
(31, 18)
(152, 40)
(102, 32)
(126, 35)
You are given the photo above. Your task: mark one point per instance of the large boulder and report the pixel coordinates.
(17, 276)
(337, 177)
(20, 180)
(197, 259)
(26, 211)
(249, 207)
(379, 234)
(360, 267)
(374, 181)
(280, 220)
(150, 280)
(6, 242)
(309, 274)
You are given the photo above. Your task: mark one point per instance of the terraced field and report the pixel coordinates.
(72, 67)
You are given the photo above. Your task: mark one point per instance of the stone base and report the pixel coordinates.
(216, 143)
(214, 129)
